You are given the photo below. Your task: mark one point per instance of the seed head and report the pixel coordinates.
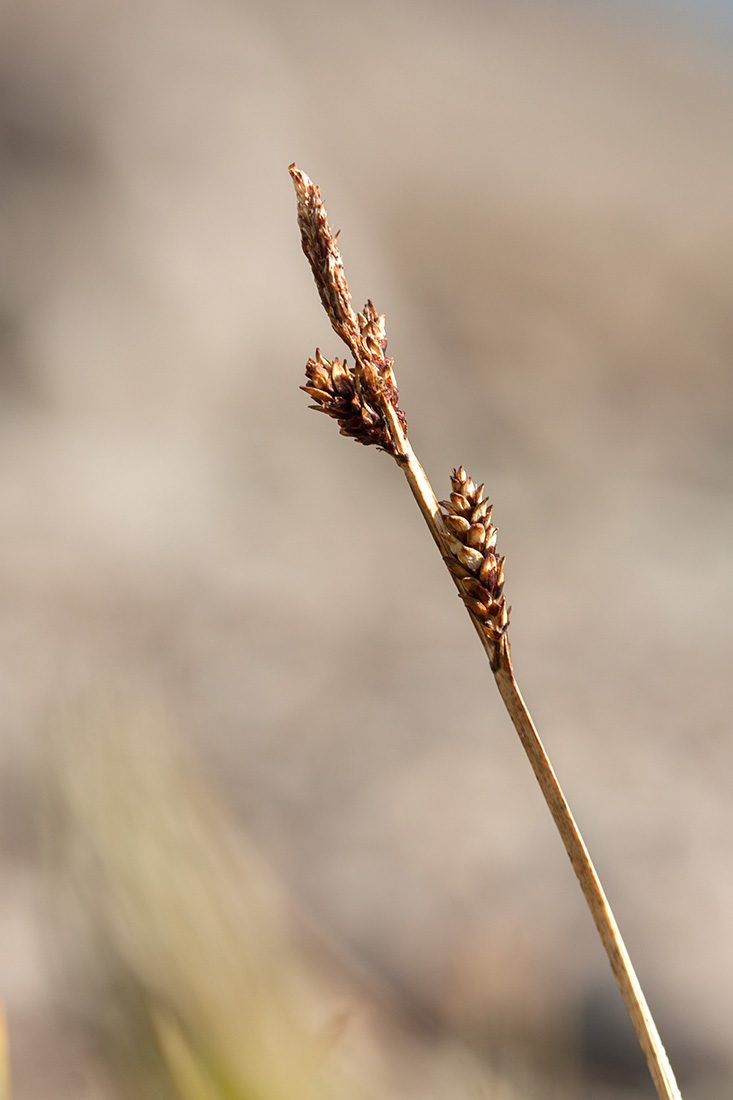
(319, 246)
(372, 382)
(474, 564)
(335, 392)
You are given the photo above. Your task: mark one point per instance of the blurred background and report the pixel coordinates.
(246, 727)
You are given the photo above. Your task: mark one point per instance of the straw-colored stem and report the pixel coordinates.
(590, 884)
(500, 658)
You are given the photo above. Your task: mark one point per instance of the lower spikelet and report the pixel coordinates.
(480, 573)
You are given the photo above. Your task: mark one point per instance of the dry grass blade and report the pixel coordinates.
(365, 403)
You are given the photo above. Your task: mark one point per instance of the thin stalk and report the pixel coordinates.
(593, 892)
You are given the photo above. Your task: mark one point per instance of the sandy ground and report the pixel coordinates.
(539, 200)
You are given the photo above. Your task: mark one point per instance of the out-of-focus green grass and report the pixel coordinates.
(179, 908)
(4, 1058)
(183, 954)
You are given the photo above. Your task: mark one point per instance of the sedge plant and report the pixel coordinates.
(363, 398)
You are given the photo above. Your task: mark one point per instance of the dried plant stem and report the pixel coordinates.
(364, 401)
(593, 892)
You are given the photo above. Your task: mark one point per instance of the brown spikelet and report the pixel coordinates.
(374, 345)
(372, 381)
(480, 573)
(334, 390)
(319, 246)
